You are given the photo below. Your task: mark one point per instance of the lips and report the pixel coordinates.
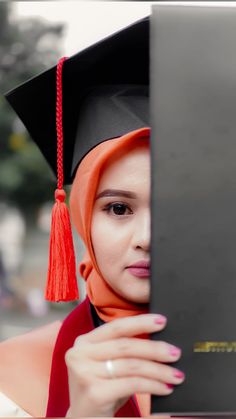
(140, 269)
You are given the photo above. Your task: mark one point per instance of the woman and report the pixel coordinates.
(99, 362)
(116, 231)
(120, 242)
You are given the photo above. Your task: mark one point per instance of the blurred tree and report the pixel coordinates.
(27, 47)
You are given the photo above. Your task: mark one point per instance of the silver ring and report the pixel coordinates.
(110, 368)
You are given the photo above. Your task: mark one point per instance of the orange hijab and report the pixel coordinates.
(107, 303)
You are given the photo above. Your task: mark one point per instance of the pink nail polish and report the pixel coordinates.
(179, 374)
(160, 319)
(174, 351)
(170, 386)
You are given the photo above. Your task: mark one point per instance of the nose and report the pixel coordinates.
(142, 233)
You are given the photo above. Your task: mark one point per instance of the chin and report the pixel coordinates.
(138, 300)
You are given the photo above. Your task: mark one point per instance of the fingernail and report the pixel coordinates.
(179, 374)
(160, 319)
(170, 386)
(174, 351)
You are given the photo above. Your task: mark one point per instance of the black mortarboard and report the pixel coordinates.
(105, 95)
(98, 94)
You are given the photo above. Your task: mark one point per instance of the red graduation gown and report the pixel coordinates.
(78, 322)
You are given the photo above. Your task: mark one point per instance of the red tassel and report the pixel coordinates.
(61, 281)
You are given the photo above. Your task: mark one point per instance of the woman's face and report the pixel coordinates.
(120, 229)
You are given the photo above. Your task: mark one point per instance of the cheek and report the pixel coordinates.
(109, 240)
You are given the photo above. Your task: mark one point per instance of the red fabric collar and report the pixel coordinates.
(78, 322)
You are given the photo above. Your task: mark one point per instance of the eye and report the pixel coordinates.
(118, 209)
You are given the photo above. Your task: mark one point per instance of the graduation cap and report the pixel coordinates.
(106, 83)
(96, 95)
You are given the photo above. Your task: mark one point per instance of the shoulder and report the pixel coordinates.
(25, 364)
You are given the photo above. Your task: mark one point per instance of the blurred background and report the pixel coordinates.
(33, 36)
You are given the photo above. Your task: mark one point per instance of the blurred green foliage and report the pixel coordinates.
(27, 47)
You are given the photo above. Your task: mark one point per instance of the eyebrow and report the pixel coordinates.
(116, 192)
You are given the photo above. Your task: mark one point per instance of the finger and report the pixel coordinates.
(134, 348)
(141, 368)
(111, 390)
(127, 326)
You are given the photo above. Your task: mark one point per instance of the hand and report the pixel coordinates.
(139, 366)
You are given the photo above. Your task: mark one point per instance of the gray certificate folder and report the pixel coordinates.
(193, 118)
